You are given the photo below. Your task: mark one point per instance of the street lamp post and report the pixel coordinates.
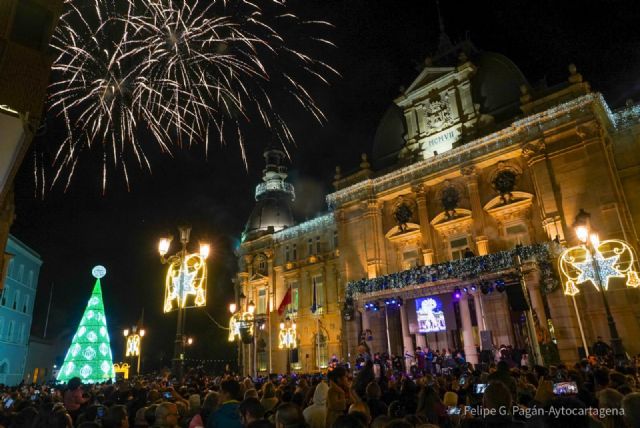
(288, 339)
(244, 326)
(134, 344)
(591, 241)
(186, 276)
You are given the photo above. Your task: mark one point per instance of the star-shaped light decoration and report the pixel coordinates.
(613, 259)
(606, 265)
(186, 283)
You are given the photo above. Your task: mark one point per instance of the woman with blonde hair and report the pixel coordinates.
(269, 400)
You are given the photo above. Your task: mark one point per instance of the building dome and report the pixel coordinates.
(272, 211)
(389, 138)
(274, 197)
(496, 85)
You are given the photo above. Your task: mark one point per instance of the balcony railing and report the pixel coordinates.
(463, 269)
(278, 186)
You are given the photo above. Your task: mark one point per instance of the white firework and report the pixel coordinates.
(174, 71)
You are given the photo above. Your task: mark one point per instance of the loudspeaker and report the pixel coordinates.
(486, 339)
(515, 295)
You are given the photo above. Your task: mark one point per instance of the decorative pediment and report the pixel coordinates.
(258, 277)
(453, 223)
(399, 235)
(428, 75)
(516, 208)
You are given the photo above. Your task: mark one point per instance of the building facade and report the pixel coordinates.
(26, 27)
(16, 309)
(448, 236)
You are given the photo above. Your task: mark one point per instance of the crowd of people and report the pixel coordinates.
(587, 394)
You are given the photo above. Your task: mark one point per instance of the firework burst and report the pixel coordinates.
(174, 71)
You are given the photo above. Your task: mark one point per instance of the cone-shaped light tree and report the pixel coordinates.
(89, 356)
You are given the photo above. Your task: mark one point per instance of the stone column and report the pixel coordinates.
(366, 322)
(407, 343)
(425, 227)
(421, 341)
(477, 211)
(376, 257)
(467, 332)
(477, 296)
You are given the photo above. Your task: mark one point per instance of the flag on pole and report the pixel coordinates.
(286, 300)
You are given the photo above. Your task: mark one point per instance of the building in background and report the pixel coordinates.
(469, 163)
(16, 309)
(26, 27)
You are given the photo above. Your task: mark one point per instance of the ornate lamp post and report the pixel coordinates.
(242, 326)
(597, 262)
(185, 286)
(134, 343)
(288, 339)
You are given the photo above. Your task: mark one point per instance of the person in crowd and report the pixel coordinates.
(74, 397)
(610, 399)
(361, 411)
(269, 400)
(502, 374)
(227, 415)
(288, 415)
(498, 407)
(631, 407)
(208, 406)
(363, 378)
(339, 396)
(116, 417)
(373, 396)
(315, 414)
(252, 413)
(166, 415)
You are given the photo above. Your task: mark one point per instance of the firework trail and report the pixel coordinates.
(175, 72)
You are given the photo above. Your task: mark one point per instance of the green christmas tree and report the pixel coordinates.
(89, 356)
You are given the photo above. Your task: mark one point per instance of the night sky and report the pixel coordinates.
(381, 45)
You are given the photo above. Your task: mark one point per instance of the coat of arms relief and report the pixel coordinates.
(438, 115)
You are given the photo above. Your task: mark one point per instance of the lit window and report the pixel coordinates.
(262, 361)
(262, 301)
(292, 310)
(319, 291)
(410, 258)
(458, 247)
(516, 234)
(321, 350)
